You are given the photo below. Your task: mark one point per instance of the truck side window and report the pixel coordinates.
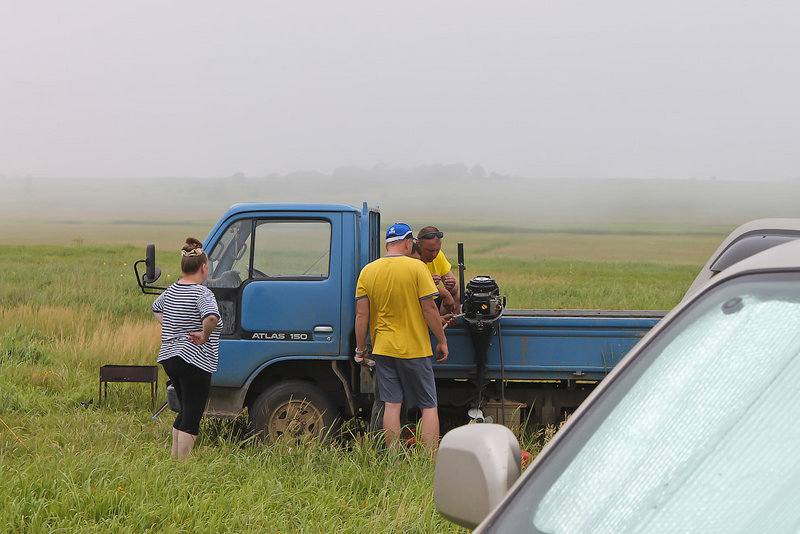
(292, 249)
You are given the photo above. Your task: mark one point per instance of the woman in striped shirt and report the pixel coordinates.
(190, 326)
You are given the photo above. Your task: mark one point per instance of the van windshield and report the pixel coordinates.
(699, 432)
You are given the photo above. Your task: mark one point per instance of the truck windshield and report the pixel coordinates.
(230, 258)
(698, 433)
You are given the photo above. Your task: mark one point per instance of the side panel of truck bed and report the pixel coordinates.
(550, 345)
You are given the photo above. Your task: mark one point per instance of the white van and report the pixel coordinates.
(697, 429)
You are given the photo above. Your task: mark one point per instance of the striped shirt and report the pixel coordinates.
(184, 307)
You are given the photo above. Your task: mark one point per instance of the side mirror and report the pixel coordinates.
(476, 466)
(152, 273)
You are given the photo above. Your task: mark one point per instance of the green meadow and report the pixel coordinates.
(69, 304)
(67, 310)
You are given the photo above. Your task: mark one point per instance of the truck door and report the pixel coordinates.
(286, 269)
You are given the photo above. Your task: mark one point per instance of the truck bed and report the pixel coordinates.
(551, 344)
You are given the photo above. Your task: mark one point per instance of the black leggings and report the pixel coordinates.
(192, 385)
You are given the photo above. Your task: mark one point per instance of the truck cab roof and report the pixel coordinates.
(293, 207)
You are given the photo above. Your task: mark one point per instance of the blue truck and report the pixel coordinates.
(284, 276)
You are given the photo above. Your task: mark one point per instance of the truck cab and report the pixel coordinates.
(284, 277)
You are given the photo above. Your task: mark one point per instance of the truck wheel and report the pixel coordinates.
(293, 409)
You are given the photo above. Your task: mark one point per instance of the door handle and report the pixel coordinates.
(323, 330)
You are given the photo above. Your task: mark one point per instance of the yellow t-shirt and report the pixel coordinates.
(439, 265)
(394, 286)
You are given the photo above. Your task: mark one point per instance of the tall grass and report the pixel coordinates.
(67, 466)
(98, 471)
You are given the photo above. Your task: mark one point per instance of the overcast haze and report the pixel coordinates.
(629, 89)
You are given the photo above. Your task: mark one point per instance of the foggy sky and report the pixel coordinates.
(617, 88)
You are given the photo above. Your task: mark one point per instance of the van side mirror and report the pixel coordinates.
(475, 467)
(152, 273)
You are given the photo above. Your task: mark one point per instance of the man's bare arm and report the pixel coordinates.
(434, 322)
(450, 282)
(362, 324)
(448, 303)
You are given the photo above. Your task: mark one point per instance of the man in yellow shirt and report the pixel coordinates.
(394, 299)
(430, 245)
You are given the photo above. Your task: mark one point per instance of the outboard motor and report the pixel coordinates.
(482, 307)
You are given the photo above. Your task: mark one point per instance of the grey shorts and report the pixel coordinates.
(408, 381)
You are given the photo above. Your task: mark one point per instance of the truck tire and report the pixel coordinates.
(295, 410)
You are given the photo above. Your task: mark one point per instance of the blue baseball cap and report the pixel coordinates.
(398, 231)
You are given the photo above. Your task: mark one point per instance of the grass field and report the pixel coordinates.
(69, 304)
(66, 310)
